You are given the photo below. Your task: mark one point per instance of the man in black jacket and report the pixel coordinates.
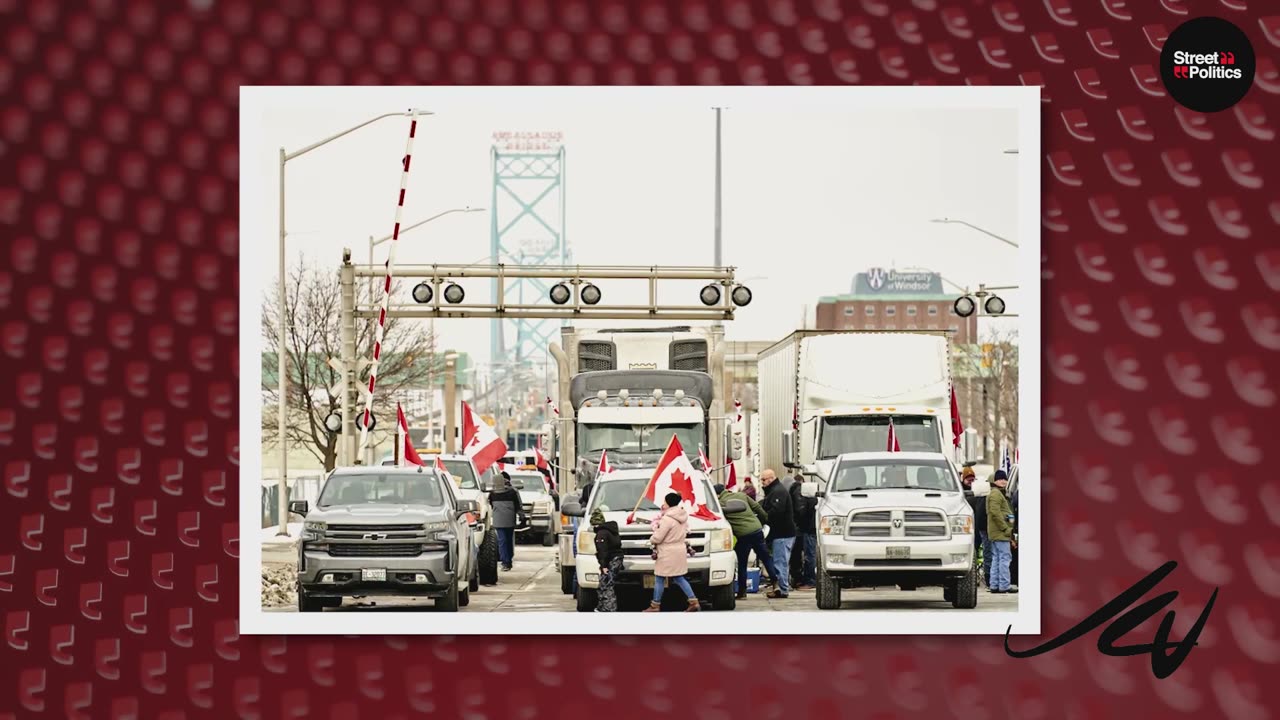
(508, 514)
(609, 555)
(806, 536)
(782, 529)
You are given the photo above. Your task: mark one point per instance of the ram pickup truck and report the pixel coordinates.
(894, 518)
(385, 531)
(544, 521)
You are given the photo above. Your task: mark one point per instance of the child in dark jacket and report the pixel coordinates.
(609, 555)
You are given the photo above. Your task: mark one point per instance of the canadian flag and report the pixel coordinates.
(957, 427)
(675, 474)
(702, 457)
(732, 482)
(443, 470)
(604, 468)
(893, 439)
(480, 442)
(540, 461)
(737, 408)
(554, 410)
(407, 453)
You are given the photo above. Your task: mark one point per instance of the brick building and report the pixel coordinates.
(896, 300)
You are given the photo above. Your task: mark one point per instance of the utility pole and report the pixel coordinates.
(450, 401)
(718, 245)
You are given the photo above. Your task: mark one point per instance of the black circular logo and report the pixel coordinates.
(1207, 64)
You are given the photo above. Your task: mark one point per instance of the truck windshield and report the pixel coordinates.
(527, 483)
(387, 489)
(639, 438)
(887, 475)
(870, 433)
(621, 495)
(462, 473)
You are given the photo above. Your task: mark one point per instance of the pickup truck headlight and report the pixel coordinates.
(542, 507)
(435, 529)
(831, 525)
(587, 542)
(721, 540)
(313, 530)
(961, 524)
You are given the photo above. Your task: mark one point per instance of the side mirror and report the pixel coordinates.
(969, 446)
(789, 448)
(810, 470)
(299, 507)
(809, 489)
(571, 508)
(468, 506)
(733, 506)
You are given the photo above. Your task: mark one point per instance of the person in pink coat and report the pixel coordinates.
(668, 540)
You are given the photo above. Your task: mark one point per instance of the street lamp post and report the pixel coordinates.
(283, 409)
(975, 227)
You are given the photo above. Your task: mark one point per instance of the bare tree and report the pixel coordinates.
(313, 335)
(989, 388)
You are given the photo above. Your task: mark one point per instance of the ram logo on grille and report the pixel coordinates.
(897, 522)
(375, 536)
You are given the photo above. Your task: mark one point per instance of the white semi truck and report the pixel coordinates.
(827, 393)
(625, 392)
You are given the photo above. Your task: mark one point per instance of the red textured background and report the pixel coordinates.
(118, 292)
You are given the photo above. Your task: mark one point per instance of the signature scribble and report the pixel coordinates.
(1163, 662)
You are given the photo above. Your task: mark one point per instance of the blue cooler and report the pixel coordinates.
(753, 581)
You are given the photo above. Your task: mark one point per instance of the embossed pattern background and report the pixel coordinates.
(118, 287)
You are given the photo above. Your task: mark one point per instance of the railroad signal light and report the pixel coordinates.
(454, 294)
(590, 294)
(994, 305)
(965, 306)
(333, 422)
(710, 295)
(560, 293)
(422, 293)
(741, 296)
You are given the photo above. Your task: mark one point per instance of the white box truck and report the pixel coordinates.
(827, 393)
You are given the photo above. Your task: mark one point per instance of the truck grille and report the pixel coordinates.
(375, 528)
(596, 355)
(638, 545)
(879, 524)
(689, 355)
(375, 550)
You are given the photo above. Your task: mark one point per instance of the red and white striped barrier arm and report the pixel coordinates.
(386, 288)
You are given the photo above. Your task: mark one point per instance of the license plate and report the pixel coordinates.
(898, 553)
(648, 581)
(373, 575)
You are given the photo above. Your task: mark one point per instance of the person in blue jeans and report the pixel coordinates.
(748, 530)
(1000, 532)
(782, 530)
(508, 514)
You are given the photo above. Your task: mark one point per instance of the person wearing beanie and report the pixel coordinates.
(748, 533)
(672, 563)
(609, 555)
(1000, 531)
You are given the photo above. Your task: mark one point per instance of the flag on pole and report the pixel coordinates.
(540, 461)
(407, 453)
(957, 427)
(604, 468)
(443, 470)
(732, 482)
(702, 457)
(552, 406)
(1007, 465)
(480, 442)
(893, 439)
(675, 474)
(737, 409)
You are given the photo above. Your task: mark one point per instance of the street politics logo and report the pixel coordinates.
(1207, 64)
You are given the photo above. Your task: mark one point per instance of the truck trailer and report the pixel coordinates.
(827, 393)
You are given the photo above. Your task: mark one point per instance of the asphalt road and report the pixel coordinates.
(533, 585)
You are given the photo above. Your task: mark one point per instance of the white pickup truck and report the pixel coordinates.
(711, 568)
(894, 518)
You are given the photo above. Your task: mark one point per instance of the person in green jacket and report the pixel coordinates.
(1000, 532)
(748, 531)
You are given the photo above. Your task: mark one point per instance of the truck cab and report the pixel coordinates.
(894, 518)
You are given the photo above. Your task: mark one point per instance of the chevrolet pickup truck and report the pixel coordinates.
(385, 531)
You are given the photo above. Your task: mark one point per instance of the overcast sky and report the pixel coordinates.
(815, 189)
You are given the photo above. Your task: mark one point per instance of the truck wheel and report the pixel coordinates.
(473, 585)
(549, 539)
(828, 591)
(464, 598)
(949, 592)
(449, 601)
(965, 595)
(587, 598)
(307, 603)
(489, 558)
(723, 597)
(566, 579)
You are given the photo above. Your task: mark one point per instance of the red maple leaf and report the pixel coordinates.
(681, 484)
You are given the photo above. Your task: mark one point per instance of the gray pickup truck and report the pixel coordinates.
(386, 531)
